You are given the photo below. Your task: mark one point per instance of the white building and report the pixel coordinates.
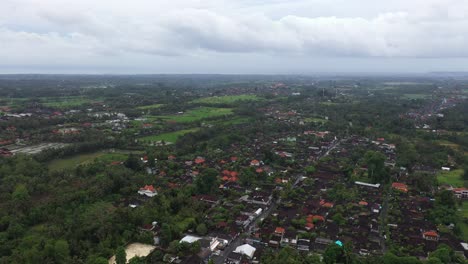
(246, 249)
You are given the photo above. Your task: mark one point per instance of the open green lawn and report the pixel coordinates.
(451, 177)
(146, 107)
(464, 209)
(195, 114)
(228, 99)
(169, 137)
(81, 159)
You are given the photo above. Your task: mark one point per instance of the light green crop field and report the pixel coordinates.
(228, 99)
(169, 137)
(451, 177)
(195, 114)
(146, 107)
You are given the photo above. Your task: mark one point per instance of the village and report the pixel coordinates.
(298, 168)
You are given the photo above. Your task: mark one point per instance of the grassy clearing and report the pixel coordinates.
(464, 209)
(146, 107)
(196, 114)
(82, 159)
(451, 177)
(169, 137)
(228, 99)
(464, 230)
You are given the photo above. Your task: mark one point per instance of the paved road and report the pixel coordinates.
(251, 227)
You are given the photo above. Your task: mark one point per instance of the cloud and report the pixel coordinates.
(33, 31)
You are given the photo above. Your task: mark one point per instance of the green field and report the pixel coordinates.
(451, 177)
(315, 120)
(416, 96)
(194, 114)
(146, 107)
(464, 209)
(234, 121)
(56, 102)
(447, 143)
(228, 99)
(71, 162)
(328, 103)
(169, 137)
(64, 102)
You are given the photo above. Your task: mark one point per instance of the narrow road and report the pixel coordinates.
(383, 220)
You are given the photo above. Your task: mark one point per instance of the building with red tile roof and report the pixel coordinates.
(280, 230)
(431, 235)
(400, 186)
(148, 190)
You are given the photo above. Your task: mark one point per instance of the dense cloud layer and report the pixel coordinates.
(88, 31)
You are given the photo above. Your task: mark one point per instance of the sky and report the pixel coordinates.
(233, 36)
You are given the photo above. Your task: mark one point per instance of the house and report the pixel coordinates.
(303, 244)
(148, 190)
(199, 160)
(326, 204)
(234, 258)
(206, 198)
(246, 250)
(289, 239)
(255, 163)
(189, 239)
(280, 231)
(431, 235)
(5, 152)
(400, 186)
(275, 240)
(320, 244)
(243, 220)
(460, 193)
(363, 203)
(209, 243)
(261, 198)
(368, 184)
